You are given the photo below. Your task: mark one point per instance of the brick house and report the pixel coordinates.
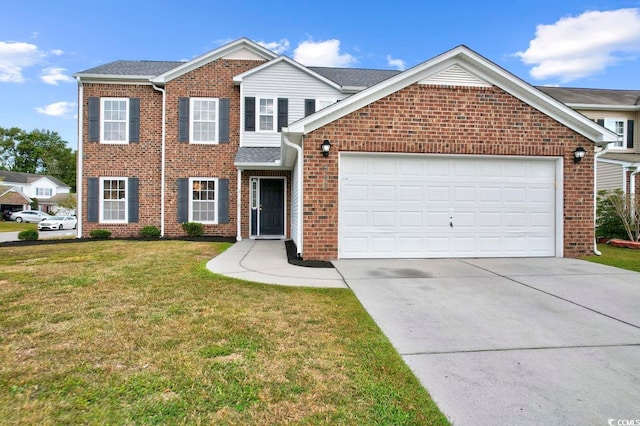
(455, 157)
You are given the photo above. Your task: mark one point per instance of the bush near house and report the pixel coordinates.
(28, 235)
(150, 232)
(193, 229)
(100, 234)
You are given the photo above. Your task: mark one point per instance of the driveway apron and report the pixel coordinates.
(511, 341)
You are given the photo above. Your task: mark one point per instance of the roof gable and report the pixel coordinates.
(240, 49)
(28, 178)
(460, 61)
(290, 62)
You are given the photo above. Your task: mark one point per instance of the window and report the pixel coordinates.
(113, 200)
(203, 204)
(115, 120)
(204, 120)
(266, 115)
(44, 192)
(618, 126)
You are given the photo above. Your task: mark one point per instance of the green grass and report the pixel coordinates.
(124, 332)
(617, 256)
(11, 226)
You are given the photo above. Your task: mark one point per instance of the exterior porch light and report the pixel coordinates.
(326, 146)
(578, 154)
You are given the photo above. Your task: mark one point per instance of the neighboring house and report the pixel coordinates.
(12, 199)
(48, 190)
(618, 111)
(455, 157)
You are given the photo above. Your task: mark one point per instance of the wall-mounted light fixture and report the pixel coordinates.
(578, 154)
(325, 146)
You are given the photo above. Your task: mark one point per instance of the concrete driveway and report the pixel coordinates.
(511, 341)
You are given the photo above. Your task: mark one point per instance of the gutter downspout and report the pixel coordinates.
(239, 207)
(79, 167)
(300, 160)
(595, 195)
(162, 161)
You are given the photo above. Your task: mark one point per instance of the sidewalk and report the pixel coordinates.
(265, 261)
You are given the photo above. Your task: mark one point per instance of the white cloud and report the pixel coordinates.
(57, 52)
(322, 53)
(278, 47)
(580, 46)
(14, 57)
(55, 75)
(58, 109)
(396, 63)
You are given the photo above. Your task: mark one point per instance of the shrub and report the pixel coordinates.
(100, 234)
(608, 223)
(150, 232)
(28, 235)
(619, 213)
(193, 229)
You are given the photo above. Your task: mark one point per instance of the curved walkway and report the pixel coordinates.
(265, 261)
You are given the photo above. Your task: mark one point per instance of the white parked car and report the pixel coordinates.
(29, 216)
(58, 223)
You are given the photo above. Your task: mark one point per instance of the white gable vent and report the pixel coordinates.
(455, 76)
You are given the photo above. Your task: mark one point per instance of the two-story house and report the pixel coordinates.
(453, 157)
(19, 189)
(617, 110)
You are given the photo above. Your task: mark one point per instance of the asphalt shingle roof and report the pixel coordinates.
(124, 68)
(257, 155)
(19, 177)
(573, 95)
(355, 77)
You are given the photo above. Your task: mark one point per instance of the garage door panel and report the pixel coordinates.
(403, 206)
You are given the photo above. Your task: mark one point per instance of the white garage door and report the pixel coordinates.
(412, 206)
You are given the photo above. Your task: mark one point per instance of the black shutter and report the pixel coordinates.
(223, 200)
(223, 122)
(134, 120)
(283, 113)
(630, 124)
(133, 199)
(250, 114)
(93, 199)
(309, 106)
(183, 200)
(94, 119)
(600, 121)
(183, 119)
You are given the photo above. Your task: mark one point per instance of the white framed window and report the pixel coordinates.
(203, 200)
(266, 115)
(203, 126)
(113, 200)
(323, 103)
(618, 126)
(44, 192)
(114, 120)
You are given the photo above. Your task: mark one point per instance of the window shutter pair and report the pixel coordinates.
(183, 120)
(94, 119)
(250, 113)
(223, 200)
(630, 129)
(93, 199)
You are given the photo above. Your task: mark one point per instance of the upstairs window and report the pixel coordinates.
(115, 120)
(204, 120)
(266, 115)
(618, 126)
(44, 192)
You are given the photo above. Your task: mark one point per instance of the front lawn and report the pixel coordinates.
(139, 332)
(617, 256)
(12, 226)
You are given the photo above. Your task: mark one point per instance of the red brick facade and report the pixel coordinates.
(444, 120)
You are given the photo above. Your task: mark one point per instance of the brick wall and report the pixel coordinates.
(143, 159)
(444, 120)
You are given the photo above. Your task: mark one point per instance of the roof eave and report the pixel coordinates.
(596, 107)
(113, 78)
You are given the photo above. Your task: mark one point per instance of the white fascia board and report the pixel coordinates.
(212, 56)
(478, 66)
(596, 107)
(260, 166)
(114, 78)
(619, 162)
(238, 78)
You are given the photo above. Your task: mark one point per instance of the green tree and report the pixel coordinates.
(38, 152)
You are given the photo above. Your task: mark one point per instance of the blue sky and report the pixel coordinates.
(567, 43)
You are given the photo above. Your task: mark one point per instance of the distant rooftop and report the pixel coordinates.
(19, 177)
(574, 95)
(131, 68)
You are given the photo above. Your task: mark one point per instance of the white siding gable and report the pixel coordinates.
(282, 80)
(244, 54)
(455, 76)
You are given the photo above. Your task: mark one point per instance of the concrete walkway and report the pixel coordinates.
(265, 261)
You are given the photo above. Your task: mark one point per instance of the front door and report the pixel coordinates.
(270, 220)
